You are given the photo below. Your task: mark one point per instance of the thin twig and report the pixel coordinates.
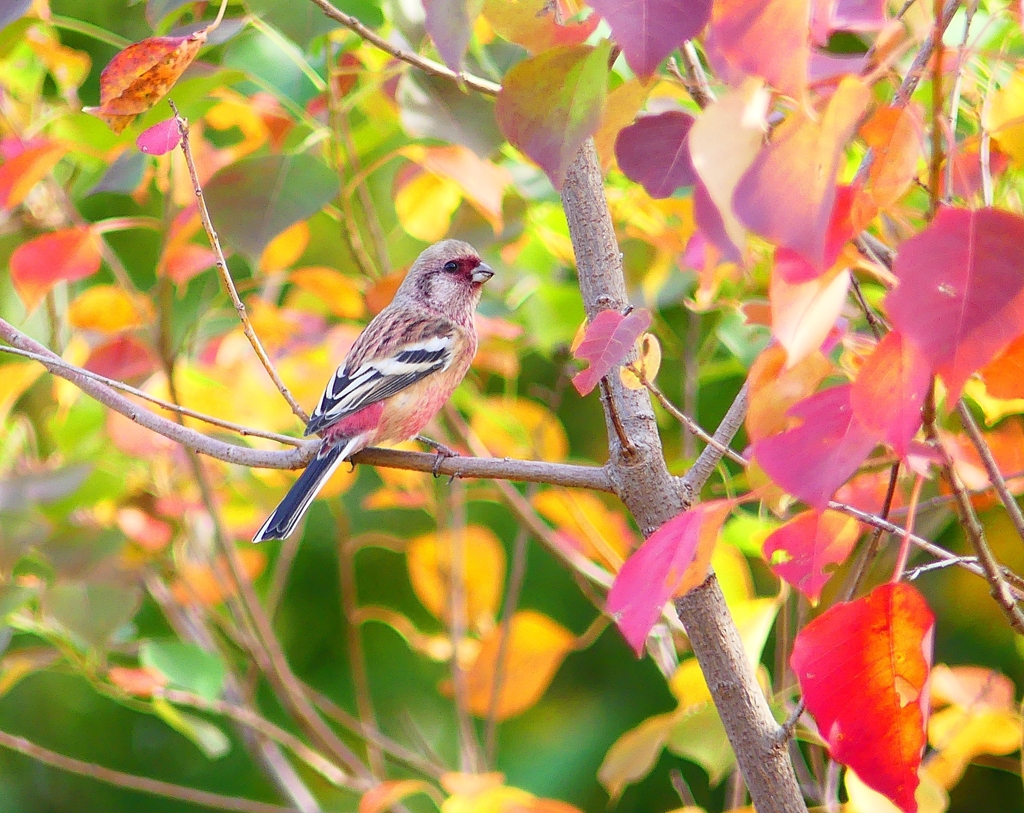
(709, 459)
(429, 66)
(913, 77)
(1001, 590)
(698, 87)
(331, 772)
(991, 467)
(356, 655)
(245, 431)
(142, 784)
(225, 275)
(722, 449)
(513, 591)
(469, 748)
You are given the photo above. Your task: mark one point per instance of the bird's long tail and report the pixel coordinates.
(293, 507)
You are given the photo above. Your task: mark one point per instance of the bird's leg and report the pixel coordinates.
(441, 450)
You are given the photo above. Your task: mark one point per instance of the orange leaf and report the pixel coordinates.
(387, 794)
(429, 560)
(587, 524)
(895, 135)
(341, 295)
(24, 166)
(535, 649)
(109, 309)
(140, 75)
(60, 256)
(141, 681)
(210, 585)
(1004, 375)
(774, 389)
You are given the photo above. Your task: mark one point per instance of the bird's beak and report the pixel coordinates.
(482, 273)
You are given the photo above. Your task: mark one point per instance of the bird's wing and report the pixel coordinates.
(374, 371)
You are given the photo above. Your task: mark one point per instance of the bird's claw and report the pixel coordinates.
(442, 453)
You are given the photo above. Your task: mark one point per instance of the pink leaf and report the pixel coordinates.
(890, 389)
(450, 25)
(788, 194)
(770, 39)
(654, 151)
(959, 297)
(801, 549)
(609, 337)
(661, 568)
(649, 30)
(159, 139)
(813, 459)
(795, 269)
(863, 668)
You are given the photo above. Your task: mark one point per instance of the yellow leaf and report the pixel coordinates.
(429, 559)
(339, 293)
(275, 326)
(620, 108)
(688, 686)
(516, 427)
(724, 140)
(587, 524)
(929, 796)
(109, 309)
(535, 649)
(211, 584)
(959, 735)
(482, 183)
(425, 206)
(15, 378)
(67, 66)
(285, 249)
(236, 112)
(632, 756)
(648, 363)
(1004, 117)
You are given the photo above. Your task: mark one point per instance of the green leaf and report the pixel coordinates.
(213, 742)
(255, 199)
(700, 737)
(186, 666)
(432, 107)
(91, 612)
(551, 103)
(13, 597)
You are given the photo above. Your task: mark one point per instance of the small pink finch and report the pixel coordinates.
(400, 371)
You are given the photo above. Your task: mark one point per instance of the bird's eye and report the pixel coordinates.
(451, 266)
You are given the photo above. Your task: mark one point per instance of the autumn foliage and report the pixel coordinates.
(820, 226)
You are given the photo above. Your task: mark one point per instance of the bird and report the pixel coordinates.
(398, 373)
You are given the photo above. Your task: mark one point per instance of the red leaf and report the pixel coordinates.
(795, 269)
(863, 667)
(649, 30)
(124, 358)
(959, 297)
(60, 256)
(770, 39)
(159, 139)
(654, 151)
(551, 103)
(801, 549)
(789, 192)
(890, 389)
(140, 76)
(661, 568)
(813, 459)
(609, 337)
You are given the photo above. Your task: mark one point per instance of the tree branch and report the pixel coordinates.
(653, 496)
(142, 784)
(484, 86)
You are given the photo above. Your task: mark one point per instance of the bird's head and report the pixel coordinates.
(447, 278)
